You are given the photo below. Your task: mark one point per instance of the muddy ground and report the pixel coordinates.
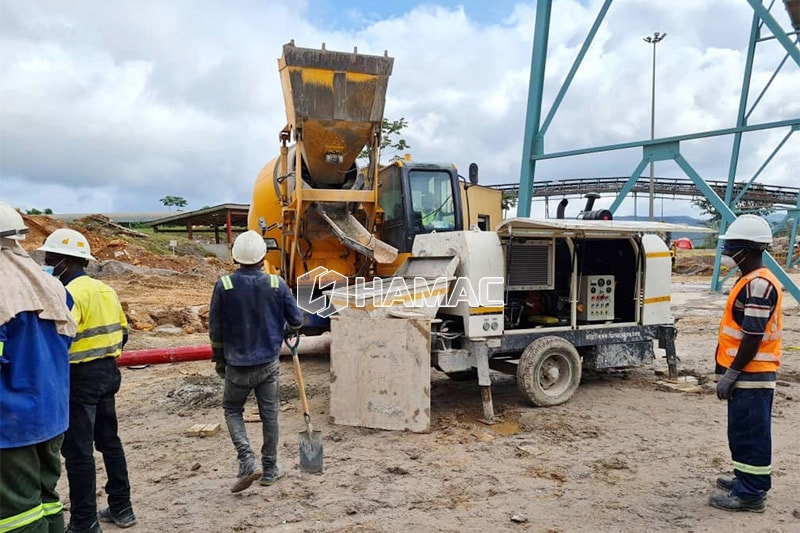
(623, 455)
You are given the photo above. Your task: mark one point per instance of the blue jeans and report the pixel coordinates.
(239, 381)
(93, 422)
(750, 441)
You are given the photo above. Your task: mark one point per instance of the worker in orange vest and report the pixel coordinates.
(747, 360)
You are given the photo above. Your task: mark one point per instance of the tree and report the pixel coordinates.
(34, 211)
(750, 203)
(509, 201)
(174, 201)
(389, 129)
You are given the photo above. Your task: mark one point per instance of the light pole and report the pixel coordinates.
(654, 40)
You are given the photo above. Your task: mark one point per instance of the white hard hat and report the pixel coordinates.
(67, 241)
(11, 224)
(751, 228)
(249, 248)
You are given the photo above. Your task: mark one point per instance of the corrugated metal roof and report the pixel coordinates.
(604, 228)
(211, 216)
(119, 218)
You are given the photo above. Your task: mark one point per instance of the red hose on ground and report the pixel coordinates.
(315, 344)
(154, 356)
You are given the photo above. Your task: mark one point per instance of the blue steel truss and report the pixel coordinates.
(667, 148)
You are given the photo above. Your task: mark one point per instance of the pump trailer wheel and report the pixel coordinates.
(549, 371)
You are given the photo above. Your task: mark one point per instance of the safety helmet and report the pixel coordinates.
(65, 241)
(249, 248)
(11, 224)
(751, 228)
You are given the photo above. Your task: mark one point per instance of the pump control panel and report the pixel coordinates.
(596, 294)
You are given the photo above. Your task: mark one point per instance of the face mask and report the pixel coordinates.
(50, 269)
(729, 256)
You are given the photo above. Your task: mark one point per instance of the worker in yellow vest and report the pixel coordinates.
(747, 360)
(94, 382)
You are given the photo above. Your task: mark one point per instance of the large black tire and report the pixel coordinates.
(549, 371)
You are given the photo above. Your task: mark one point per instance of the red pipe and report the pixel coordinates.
(156, 356)
(315, 344)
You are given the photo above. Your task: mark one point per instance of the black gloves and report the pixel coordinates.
(218, 357)
(219, 368)
(290, 331)
(725, 384)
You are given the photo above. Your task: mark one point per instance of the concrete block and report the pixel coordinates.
(381, 373)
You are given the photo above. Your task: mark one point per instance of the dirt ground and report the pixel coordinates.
(623, 455)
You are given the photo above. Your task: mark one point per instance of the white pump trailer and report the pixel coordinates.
(541, 299)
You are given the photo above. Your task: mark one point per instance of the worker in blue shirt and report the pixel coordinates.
(36, 329)
(248, 315)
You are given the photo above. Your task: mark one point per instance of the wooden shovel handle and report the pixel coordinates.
(301, 388)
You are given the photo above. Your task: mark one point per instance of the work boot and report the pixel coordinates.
(94, 528)
(730, 502)
(726, 482)
(124, 518)
(269, 478)
(247, 475)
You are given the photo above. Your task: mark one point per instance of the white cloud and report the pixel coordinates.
(112, 106)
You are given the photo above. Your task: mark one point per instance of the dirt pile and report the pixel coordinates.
(160, 293)
(110, 241)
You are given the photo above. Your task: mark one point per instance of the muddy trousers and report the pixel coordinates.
(263, 380)
(29, 502)
(750, 441)
(93, 422)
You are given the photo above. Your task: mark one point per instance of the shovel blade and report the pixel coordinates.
(311, 451)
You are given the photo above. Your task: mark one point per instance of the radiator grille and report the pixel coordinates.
(530, 265)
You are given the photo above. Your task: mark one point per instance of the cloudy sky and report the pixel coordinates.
(110, 106)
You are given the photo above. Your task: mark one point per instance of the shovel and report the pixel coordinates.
(310, 440)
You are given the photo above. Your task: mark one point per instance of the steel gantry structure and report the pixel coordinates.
(668, 148)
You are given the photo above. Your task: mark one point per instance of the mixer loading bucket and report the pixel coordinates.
(335, 101)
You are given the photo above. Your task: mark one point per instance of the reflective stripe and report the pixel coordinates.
(732, 333)
(52, 508)
(760, 356)
(739, 335)
(274, 281)
(22, 519)
(658, 254)
(227, 284)
(739, 384)
(99, 330)
(750, 469)
(2, 347)
(95, 353)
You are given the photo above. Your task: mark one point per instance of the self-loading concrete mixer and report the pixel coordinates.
(319, 207)
(310, 198)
